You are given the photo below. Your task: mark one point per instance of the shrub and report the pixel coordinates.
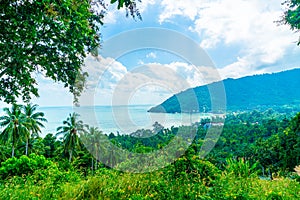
(194, 169)
(240, 168)
(23, 166)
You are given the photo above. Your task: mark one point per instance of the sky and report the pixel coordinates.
(178, 45)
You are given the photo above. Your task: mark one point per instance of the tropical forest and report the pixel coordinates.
(247, 149)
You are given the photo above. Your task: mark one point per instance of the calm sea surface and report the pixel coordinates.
(116, 119)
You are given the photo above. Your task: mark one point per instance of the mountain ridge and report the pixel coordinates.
(245, 93)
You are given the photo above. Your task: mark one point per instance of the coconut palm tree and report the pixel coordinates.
(70, 130)
(34, 145)
(34, 122)
(14, 123)
(93, 140)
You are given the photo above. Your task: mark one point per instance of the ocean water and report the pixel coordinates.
(116, 119)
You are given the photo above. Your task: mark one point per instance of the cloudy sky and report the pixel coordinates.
(181, 44)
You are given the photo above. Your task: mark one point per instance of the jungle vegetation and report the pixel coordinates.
(254, 158)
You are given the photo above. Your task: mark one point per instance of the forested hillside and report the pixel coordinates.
(252, 92)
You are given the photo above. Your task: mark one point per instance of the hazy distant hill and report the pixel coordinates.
(267, 90)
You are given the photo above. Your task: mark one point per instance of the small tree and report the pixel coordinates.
(14, 123)
(34, 121)
(70, 130)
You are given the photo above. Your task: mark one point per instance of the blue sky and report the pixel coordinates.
(239, 36)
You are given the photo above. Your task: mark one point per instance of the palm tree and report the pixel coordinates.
(70, 130)
(34, 122)
(34, 145)
(92, 140)
(14, 123)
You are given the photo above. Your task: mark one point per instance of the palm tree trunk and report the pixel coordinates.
(26, 148)
(70, 155)
(96, 160)
(92, 166)
(13, 151)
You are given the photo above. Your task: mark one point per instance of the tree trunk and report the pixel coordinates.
(96, 160)
(13, 151)
(270, 174)
(92, 166)
(26, 148)
(70, 155)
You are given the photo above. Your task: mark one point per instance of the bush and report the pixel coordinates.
(194, 169)
(240, 168)
(23, 166)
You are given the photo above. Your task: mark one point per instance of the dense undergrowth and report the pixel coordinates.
(205, 182)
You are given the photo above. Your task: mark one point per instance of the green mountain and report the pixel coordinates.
(247, 93)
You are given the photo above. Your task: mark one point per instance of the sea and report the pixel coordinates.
(117, 119)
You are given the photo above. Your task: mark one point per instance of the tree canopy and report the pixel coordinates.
(48, 37)
(292, 15)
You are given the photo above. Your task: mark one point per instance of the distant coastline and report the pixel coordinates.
(118, 119)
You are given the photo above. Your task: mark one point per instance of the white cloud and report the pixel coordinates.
(151, 55)
(246, 24)
(103, 71)
(104, 74)
(142, 6)
(195, 75)
(110, 17)
(150, 81)
(113, 13)
(239, 69)
(188, 8)
(111, 84)
(140, 62)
